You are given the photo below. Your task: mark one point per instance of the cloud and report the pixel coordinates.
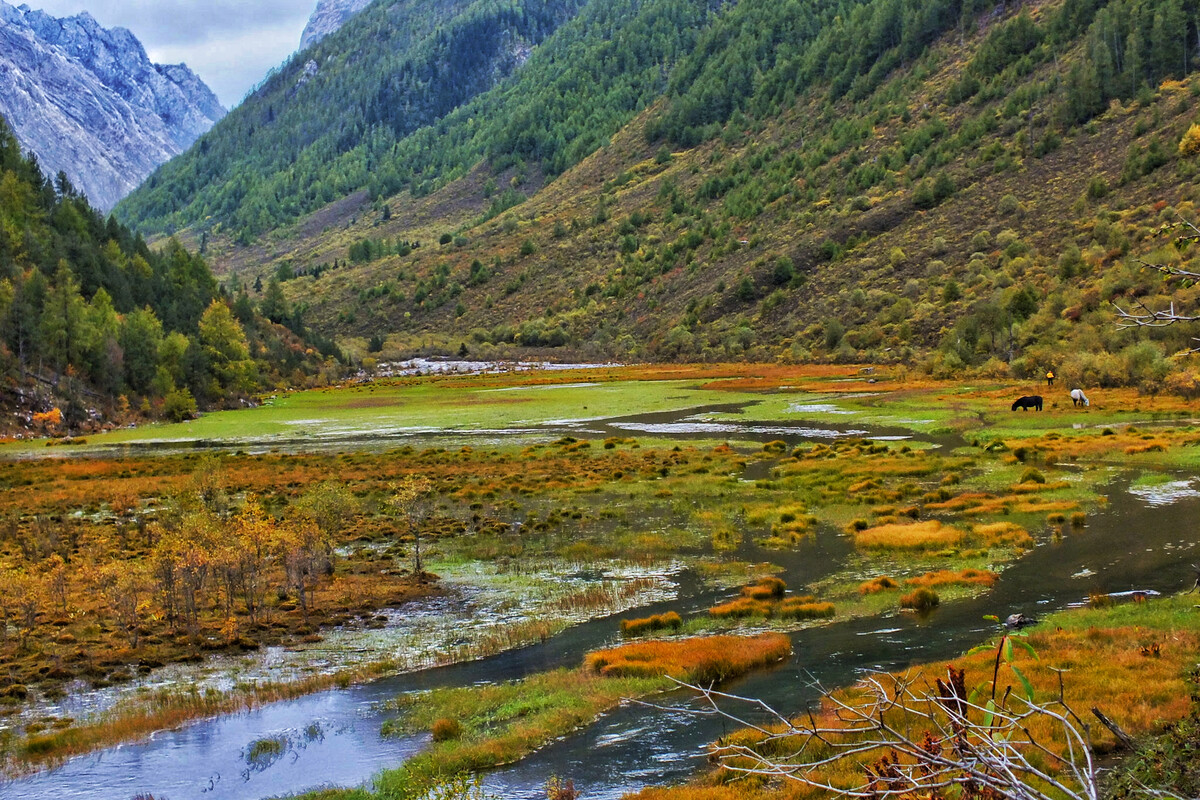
(229, 43)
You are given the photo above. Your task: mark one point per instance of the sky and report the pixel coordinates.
(230, 44)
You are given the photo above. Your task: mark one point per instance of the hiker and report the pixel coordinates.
(1079, 398)
(1049, 378)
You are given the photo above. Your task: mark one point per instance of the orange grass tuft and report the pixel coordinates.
(741, 607)
(946, 577)
(928, 535)
(805, 608)
(765, 589)
(655, 622)
(877, 585)
(695, 660)
(992, 534)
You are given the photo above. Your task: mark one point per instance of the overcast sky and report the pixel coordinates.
(230, 44)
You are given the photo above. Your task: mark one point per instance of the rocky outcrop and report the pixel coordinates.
(328, 17)
(87, 101)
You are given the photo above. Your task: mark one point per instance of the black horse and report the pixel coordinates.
(1027, 402)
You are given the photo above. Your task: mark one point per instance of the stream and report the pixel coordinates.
(332, 738)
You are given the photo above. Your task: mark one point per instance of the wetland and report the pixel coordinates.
(330, 589)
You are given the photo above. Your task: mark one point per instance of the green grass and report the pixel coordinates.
(419, 406)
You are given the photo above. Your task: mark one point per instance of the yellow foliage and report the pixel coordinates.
(48, 420)
(1189, 145)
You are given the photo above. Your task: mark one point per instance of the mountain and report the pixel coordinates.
(88, 102)
(327, 18)
(956, 184)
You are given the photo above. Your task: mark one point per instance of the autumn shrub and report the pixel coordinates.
(179, 405)
(1189, 145)
(920, 600)
(1185, 383)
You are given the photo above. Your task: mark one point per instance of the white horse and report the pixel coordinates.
(1078, 397)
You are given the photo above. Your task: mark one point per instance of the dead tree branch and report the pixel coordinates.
(986, 750)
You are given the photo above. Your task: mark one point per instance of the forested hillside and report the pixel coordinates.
(412, 95)
(959, 184)
(96, 326)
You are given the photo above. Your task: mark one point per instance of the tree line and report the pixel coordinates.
(88, 307)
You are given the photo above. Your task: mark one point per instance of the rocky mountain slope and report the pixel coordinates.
(327, 18)
(89, 102)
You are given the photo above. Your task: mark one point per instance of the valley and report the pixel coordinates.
(641, 399)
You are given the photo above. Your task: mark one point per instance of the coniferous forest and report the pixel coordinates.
(107, 326)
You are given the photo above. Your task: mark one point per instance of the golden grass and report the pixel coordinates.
(765, 589)
(656, 622)
(921, 599)
(697, 659)
(741, 607)
(992, 534)
(927, 535)
(946, 577)
(804, 608)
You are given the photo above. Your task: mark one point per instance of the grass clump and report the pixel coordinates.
(993, 534)
(445, 729)
(765, 589)
(741, 607)
(656, 622)
(946, 577)
(699, 659)
(927, 535)
(922, 600)
(805, 608)
(877, 585)
(1032, 475)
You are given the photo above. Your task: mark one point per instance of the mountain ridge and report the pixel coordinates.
(327, 17)
(88, 101)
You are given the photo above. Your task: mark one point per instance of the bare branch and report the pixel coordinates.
(964, 745)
